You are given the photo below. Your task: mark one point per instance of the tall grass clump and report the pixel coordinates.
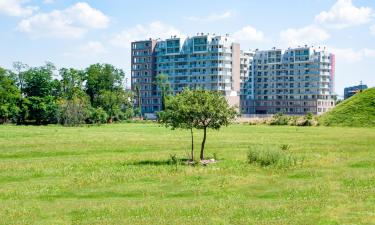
(267, 156)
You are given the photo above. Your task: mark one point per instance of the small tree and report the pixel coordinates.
(164, 86)
(179, 114)
(211, 111)
(198, 109)
(139, 100)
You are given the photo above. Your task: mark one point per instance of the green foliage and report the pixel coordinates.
(303, 121)
(42, 110)
(102, 77)
(71, 83)
(39, 89)
(162, 82)
(357, 111)
(98, 116)
(179, 113)
(280, 119)
(138, 110)
(199, 109)
(73, 112)
(270, 156)
(117, 104)
(9, 97)
(38, 81)
(31, 95)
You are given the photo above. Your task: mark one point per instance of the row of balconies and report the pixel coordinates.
(228, 66)
(208, 58)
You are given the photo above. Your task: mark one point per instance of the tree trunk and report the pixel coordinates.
(203, 143)
(162, 101)
(192, 144)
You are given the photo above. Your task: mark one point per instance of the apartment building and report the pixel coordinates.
(295, 81)
(143, 75)
(350, 91)
(203, 61)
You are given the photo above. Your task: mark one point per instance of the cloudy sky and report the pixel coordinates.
(78, 33)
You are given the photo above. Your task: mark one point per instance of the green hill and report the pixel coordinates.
(357, 111)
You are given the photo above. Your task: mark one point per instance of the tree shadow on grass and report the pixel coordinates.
(157, 162)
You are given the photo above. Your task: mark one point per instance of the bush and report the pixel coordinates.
(307, 120)
(73, 112)
(271, 156)
(259, 121)
(279, 119)
(98, 116)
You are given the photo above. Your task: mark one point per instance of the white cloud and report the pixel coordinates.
(84, 14)
(249, 33)
(16, 8)
(155, 29)
(48, 1)
(305, 35)
(93, 48)
(350, 55)
(72, 22)
(372, 30)
(212, 17)
(344, 14)
(90, 49)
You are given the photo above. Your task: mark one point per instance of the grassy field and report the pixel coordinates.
(118, 174)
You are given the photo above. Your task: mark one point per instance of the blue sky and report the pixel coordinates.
(78, 33)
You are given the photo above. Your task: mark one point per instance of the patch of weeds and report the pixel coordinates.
(173, 159)
(285, 147)
(266, 156)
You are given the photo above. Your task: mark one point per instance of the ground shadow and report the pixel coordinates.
(156, 162)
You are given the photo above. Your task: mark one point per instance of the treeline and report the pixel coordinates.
(43, 95)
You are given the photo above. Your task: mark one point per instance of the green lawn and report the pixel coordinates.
(117, 174)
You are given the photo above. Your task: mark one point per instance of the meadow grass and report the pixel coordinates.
(121, 174)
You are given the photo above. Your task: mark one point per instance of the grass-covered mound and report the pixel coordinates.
(357, 111)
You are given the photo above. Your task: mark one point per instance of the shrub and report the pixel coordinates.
(259, 121)
(73, 112)
(98, 116)
(307, 120)
(279, 119)
(271, 156)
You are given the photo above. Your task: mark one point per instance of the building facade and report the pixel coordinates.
(350, 91)
(294, 81)
(203, 61)
(143, 75)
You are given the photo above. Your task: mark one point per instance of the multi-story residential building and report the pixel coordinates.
(143, 75)
(297, 81)
(350, 91)
(203, 61)
(246, 91)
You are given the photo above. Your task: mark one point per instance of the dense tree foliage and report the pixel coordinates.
(9, 97)
(43, 95)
